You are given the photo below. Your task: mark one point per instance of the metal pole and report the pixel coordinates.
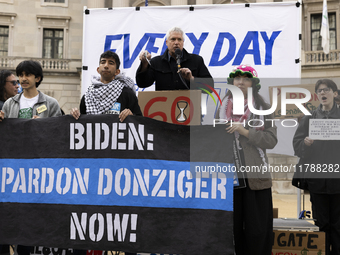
(298, 202)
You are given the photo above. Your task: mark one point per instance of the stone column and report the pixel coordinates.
(198, 2)
(179, 2)
(95, 3)
(120, 3)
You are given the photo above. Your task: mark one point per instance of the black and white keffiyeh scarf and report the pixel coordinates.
(100, 97)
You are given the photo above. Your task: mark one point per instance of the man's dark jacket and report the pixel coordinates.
(166, 77)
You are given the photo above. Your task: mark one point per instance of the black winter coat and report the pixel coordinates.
(165, 75)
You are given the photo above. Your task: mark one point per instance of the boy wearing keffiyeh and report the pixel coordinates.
(111, 93)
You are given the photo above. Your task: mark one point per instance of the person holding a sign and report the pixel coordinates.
(253, 208)
(8, 88)
(321, 163)
(31, 103)
(175, 69)
(109, 93)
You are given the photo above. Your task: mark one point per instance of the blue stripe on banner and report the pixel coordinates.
(119, 182)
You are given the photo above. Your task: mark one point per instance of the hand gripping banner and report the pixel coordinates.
(96, 183)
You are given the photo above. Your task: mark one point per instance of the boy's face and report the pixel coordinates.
(326, 95)
(107, 69)
(28, 81)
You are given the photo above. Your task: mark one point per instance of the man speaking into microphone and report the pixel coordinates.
(175, 69)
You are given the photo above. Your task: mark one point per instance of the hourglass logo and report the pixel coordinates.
(182, 105)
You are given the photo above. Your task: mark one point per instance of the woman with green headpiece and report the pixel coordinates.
(253, 208)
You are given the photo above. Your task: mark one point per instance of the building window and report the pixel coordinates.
(4, 31)
(53, 43)
(315, 31)
(54, 34)
(7, 1)
(54, 1)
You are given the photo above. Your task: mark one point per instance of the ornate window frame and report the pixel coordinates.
(54, 22)
(310, 8)
(7, 1)
(43, 3)
(7, 19)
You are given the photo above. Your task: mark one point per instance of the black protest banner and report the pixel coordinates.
(138, 186)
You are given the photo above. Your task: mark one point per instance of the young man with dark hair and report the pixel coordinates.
(109, 93)
(30, 103)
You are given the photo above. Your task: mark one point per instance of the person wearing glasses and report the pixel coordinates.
(8, 86)
(31, 103)
(322, 158)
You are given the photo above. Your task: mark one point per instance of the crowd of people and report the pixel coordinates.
(113, 93)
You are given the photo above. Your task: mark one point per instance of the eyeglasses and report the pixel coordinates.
(13, 82)
(326, 90)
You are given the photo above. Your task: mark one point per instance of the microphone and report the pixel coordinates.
(178, 53)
